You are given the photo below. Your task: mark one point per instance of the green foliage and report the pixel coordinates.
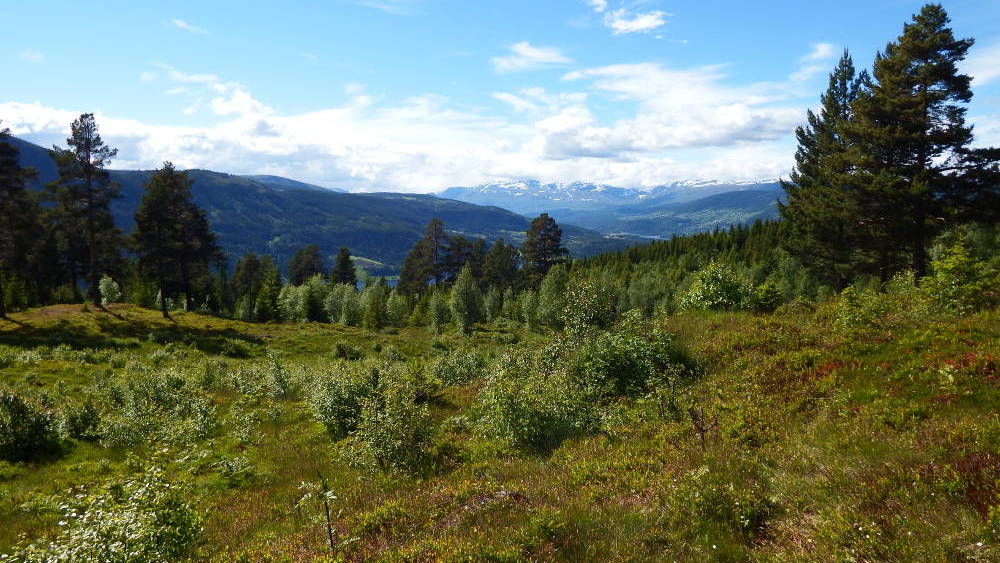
(959, 283)
(393, 430)
(588, 305)
(27, 431)
(865, 309)
(466, 301)
(459, 366)
(766, 297)
(716, 287)
(110, 292)
(438, 313)
(146, 518)
(552, 297)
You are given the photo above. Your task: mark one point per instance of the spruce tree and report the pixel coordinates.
(19, 216)
(343, 269)
(305, 263)
(172, 237)
(500, 265)
(542, 248)
(551, 297)
(909, 140)
(84, 192)
(426, 261)
(821, 207)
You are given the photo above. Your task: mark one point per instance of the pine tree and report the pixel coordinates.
(397, 308)
(172, 237)
(500, 265)
(466, 301)
(19, 216)
(821, 207)
(492, 305)
(373, 305)
(542, 248)
(84, 192)
(426, 261)
(437, 311)
(343, 269)
(305, 263)
(910, 141)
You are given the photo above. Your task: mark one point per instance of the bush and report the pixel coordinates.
(81, 421)
(26, 430)
(344, 351)
(959, 283)
(716, 287)
(393, 430)
(110, 292)
(861, 309)
(587, 305)
(459, 367)
(144, 519)
(337, 399)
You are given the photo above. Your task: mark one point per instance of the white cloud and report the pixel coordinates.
(526, 56)
(622, 21)
(598, 5)
(188, 27)
(397, 7)
(820, 52)
(673, 124)
(983, 64)
(30, 56)
(312, 57)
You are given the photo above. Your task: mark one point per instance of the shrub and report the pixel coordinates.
(337, 399)
(143, 519)
(344, 351)
(959, 283)
(459, 367)
(393, 430)
(110, 292)
(860, 309)
(765, 298)
(26, 430)
(588, 305)
(716, 287)
(81, 421)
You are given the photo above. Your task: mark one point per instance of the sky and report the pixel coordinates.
(420, 95)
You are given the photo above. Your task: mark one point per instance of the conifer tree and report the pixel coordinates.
(373, 305)
(542, 248)
(343, 269)
(551, 297)
(305, 263)
(84, 192)
(821, 207)
(910, 141)
(437, 311)
(426, 261)
(466, 301)
(172, 237)
(500, 265)
(19, 216)
(492, 305)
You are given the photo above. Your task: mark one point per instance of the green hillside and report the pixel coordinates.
(278, 216)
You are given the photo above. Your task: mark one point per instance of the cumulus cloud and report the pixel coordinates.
(622, 21)
(983, 64)
(525, 56)
(675, 123)
(190, 28)
(598, 6)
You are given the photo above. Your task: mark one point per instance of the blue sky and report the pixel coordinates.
(419, 95)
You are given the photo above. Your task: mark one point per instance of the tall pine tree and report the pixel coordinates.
(343, 269)
(172, 237)
(84, 192)
(821, 207)
(909, 141)
(542, 248)
(19, 213)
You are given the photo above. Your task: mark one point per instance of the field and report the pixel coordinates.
(767, 437)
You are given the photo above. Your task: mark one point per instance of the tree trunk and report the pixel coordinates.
(163, 300)
(92, 243)
(3, 298)
(186, 282)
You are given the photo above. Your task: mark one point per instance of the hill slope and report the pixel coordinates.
(277, 216)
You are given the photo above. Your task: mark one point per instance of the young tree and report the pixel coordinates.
(84, 192)
(343, 269)
(909, 138)
(19, 212)
(551, 297)
(373, 305)
(821, 206)
(466, 301)
(172, 237)
(542, 248)
(305, 263)
(437, 311)
(492, 305)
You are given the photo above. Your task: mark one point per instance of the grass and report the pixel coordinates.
(814, 445)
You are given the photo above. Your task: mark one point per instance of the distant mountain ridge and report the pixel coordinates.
(277, 216)
(676, 208)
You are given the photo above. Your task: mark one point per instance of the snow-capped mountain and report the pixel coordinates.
(678, 207)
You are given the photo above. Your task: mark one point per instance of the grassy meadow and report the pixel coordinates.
(770, 437)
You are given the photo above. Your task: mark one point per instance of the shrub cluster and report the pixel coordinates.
(27, 430)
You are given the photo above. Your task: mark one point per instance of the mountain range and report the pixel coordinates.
(677, 208)
(277, 216)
